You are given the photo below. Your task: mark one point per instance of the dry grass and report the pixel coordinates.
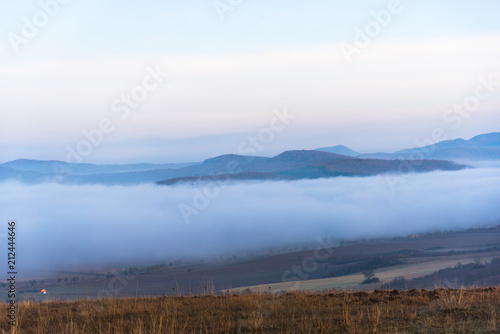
(414, 311)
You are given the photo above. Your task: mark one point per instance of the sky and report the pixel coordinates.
(176, 81)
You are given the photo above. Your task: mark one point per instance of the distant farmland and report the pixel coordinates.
(467, 258)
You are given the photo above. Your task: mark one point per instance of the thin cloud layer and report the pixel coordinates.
(401, 82)
(61, 226)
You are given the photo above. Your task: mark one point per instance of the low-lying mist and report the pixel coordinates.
(60, 225)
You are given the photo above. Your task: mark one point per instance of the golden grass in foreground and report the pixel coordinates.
(415, 311)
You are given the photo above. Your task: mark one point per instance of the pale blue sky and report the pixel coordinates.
(97, 28)
(228, 76)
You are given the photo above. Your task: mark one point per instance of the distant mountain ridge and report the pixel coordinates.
(297, 165)
(54, 166)
(289, 165)
(481, 147)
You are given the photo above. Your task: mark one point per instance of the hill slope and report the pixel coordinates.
(482, 147)
(295, 165)
(289, 165)
(339, 149)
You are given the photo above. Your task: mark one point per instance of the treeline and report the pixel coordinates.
(371, 263)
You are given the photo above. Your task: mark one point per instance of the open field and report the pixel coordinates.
(341, 267)
(411, 270)
(413, 311)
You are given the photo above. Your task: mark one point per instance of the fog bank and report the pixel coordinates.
(61, 225)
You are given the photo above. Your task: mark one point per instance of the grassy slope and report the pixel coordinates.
(414, 311)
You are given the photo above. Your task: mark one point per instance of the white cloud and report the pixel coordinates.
(71, 225)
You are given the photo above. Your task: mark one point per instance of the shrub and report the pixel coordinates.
(371, 280)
